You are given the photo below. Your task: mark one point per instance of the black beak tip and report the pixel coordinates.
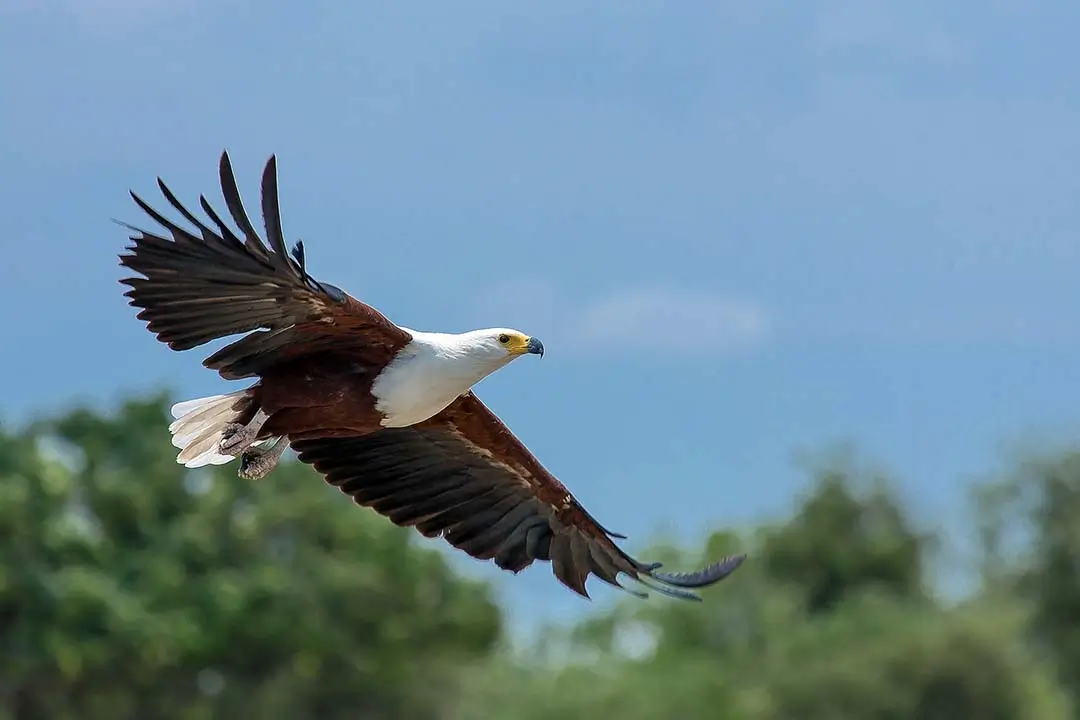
(536, 347)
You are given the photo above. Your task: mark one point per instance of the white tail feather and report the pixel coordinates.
(199, 428)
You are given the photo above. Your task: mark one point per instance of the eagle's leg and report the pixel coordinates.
(257, 462)
(238, 438)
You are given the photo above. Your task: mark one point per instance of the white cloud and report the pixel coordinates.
(672, 321)
(654, 319)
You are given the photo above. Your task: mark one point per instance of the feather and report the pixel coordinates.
(464, 477)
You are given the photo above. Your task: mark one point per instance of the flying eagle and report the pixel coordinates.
(385, 413)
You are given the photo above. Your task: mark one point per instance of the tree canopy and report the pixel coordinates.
(133, 587)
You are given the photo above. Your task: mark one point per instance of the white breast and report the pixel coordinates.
(426, 376)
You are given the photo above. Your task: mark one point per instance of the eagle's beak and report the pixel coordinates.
(535, 347)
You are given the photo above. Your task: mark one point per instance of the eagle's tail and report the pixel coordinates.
(200, 425)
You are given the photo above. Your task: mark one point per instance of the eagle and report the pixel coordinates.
(385, 413)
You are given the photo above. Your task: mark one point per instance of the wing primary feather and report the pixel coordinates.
(641, 595)
(177, 231)
(272, 216)
(235, 203)
(562, 564)
(226, 232)
(672, 592)
(602, 566)
(702, 578)
(207, 233)
(579, 555)
(298, 255)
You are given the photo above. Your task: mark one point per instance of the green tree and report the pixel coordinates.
(1045, 491)
(875, 658)
(830, 617)
(842, 541)
(133, 587)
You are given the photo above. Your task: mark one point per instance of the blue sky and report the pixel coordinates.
(744, 231)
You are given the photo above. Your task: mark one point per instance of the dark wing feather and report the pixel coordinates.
(462, 475)
(202, 285)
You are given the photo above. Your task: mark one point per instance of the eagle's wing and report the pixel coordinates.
(465, 476)
(204, 284)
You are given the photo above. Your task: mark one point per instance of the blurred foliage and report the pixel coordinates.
(131, 587)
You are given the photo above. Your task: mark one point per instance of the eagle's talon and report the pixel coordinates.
(237, 438)
(229, 433)
(256, 463)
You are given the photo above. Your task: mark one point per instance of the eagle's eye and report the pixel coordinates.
(504, 338)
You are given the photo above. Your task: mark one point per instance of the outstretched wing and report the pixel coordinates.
(463, 475)
(204, 284)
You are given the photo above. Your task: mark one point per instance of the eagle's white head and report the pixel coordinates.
(494, 344)
(472, 356)
(436, 368)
